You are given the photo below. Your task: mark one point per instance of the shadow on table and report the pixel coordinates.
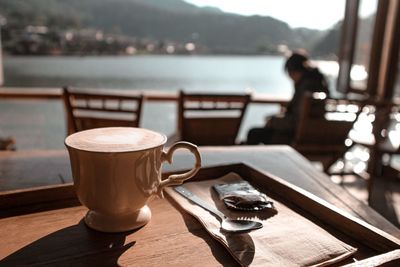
(76, 245)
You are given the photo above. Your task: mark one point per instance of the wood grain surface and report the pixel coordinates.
(25, 169)
(60, 238)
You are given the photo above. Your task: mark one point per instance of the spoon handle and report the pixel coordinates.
(195, 199)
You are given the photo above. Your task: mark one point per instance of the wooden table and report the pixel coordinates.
(172, 237)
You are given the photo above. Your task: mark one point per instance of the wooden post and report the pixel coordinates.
(347, 45)
(390, 52)
(376, 47)
(386, 84)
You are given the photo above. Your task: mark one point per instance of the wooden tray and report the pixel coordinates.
(369, 240)
(375, 247)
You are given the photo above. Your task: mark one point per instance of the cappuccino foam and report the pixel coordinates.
(115, 139)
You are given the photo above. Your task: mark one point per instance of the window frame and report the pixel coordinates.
(383, 55)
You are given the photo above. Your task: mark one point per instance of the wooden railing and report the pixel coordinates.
(51, 96)
(150, 95)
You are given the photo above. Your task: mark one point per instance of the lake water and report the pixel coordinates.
(215, 73)
(261, 74)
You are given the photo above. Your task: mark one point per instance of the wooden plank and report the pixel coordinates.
(31, 93)
(105, 109)
(23, 197)
(390, 259)
(102, 94)
(149, 95)
(324, 211)
(30, 200)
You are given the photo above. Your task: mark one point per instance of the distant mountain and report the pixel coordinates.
(166, 20)
(176, 6)
(328, 44)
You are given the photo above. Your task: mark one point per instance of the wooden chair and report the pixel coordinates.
(323, 127)
(87, 109)
(210, 119)
(381, 144)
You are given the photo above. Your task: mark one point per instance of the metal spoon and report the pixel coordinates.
(228, 225)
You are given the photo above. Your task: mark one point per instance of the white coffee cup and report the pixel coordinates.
(117, 169)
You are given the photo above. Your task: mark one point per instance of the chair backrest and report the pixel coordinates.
(87, 109)
(324, 124)
(210, 119)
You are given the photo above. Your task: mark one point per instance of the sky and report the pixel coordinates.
(329, 11)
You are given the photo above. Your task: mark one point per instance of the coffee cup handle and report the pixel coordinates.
(177, 179)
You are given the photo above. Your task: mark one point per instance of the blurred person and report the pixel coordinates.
(280, 129)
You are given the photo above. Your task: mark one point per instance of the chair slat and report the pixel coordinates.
(87, 110)
(106, 109)
(214, 108)
(211, 119)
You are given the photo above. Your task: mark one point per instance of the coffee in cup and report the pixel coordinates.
(117, 169)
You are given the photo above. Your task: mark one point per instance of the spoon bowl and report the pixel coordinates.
(227, 224)
(230, 225)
